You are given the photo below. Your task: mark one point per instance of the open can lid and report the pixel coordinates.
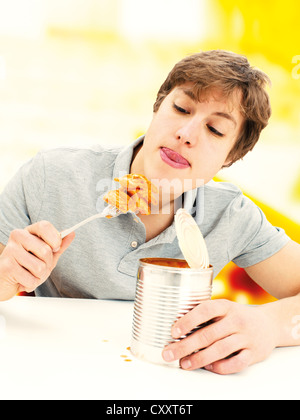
(191, 241)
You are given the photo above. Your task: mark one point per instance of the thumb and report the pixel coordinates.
(66, 242)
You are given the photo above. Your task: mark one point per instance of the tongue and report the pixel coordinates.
(175, 156)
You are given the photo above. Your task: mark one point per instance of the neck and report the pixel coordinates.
(136, 166)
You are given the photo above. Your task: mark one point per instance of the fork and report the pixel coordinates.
(109, 211)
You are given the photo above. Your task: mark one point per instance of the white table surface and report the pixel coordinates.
(71, 349)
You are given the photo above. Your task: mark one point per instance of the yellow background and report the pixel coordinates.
(80, 72)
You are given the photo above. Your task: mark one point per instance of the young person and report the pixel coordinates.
(209, 113)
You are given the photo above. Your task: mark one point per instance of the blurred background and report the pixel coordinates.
(80, 72)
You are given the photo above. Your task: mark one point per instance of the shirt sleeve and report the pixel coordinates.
(252, 238)
(21, 200)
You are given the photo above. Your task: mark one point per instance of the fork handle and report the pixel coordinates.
(66, 232)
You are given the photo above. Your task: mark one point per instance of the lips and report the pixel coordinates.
(173, 159)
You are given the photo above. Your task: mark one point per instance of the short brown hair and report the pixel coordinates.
(229, 72)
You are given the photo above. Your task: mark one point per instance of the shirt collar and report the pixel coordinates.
(124, 158)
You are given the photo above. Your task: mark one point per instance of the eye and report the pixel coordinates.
(214, 131)
(179, 109)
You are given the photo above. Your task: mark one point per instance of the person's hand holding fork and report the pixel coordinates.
(29, 257)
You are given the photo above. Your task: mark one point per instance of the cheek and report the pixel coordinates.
(207, 163)
(162, 122)
(215, 151)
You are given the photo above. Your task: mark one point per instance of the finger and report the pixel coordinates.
(38, 268)
(200, 339)
(233, 364)
(202, 313)
(217, 351)
(22, 240)
(66, 242)
(47, 232)
(27, 281)
(35, 246)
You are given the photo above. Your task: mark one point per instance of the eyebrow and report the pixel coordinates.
(225, 115)
(192, 96)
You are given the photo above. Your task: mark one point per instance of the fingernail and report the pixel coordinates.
(56, 250)
(168, 355)
(186, 364)
(176, 332)
(208, 367)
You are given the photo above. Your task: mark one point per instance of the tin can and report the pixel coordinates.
(166, 290)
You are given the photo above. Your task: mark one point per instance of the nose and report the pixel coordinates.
(187, 134)
(180, 138)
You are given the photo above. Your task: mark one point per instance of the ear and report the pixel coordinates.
(231, 158)
(227, 163)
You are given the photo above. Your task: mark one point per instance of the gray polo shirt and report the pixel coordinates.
(64, 186)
